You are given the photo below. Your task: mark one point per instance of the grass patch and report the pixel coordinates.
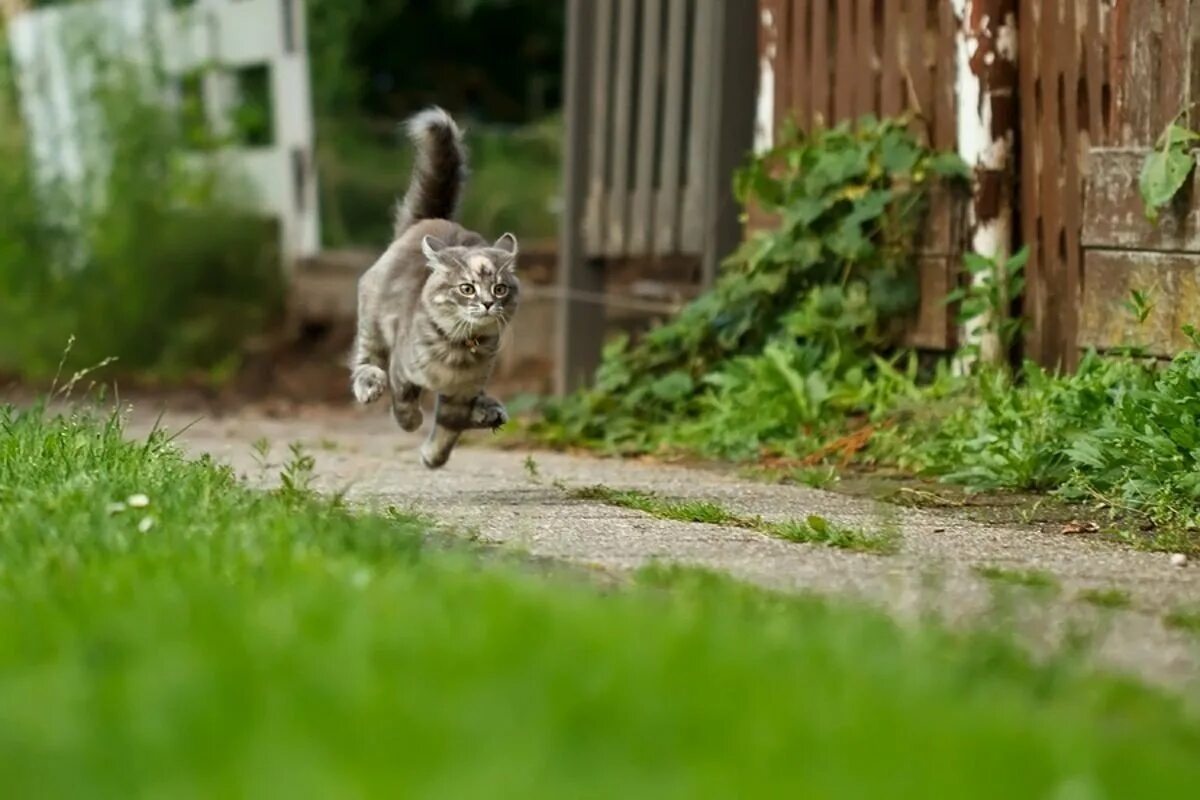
(813, 530)
(1183, 620)
(1106, 598)
(252, 643)
(1025, 578)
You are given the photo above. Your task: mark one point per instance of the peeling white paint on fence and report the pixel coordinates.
(213, 37)
(764, 116)
(982, 149)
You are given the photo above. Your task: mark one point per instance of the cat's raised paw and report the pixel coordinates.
(368, 383)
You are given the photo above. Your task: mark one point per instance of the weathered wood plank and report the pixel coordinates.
(932, 324)
(944, 233)
(1073, 53)
(844, 76)
(1174, 62)
(865, 67)
(1031, 170)
(1172, 282)
(1113, 215)
(1054, 334)
(819, 68)
(1096, 78)
(670, 184)
(918, 67)
(598, 40)
(801, 63)
(945, 116)
(891, 98)
(641, 222)
(617, 238)
(1137, 77)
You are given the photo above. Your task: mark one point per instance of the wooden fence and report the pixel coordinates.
(1097, 82)
(1143, 56)
(832, 60)
(659, 112)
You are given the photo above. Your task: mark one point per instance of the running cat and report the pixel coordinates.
(432, 308)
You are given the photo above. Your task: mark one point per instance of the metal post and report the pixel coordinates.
(731, 120)
(580, 326)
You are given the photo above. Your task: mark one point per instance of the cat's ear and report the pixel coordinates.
(431, 246)
(507, 243)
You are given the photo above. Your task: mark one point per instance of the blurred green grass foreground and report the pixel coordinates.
(167, 632)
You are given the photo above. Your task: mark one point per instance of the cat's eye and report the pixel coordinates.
(499, 290)
(467, 289)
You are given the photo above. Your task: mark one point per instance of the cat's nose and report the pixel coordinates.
(487, 304)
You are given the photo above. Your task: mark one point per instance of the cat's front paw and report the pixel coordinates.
(368, 383)
(488, 412)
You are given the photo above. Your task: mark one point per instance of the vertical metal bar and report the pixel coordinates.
(580, 325)
(731, 118)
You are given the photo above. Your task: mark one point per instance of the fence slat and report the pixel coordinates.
(622, 140)
(642, 221)
(918, 64)
(1135, 38)
(599, 151)
(699, 127)
(890, 99)
(819, 79)
(670, 186)
(1097, 127)
(1053, 238)
(1036, 286)
(843, 101)
(864, 98)
(1073, 52)
(1175, 61)
(945, 120)
(800, 63)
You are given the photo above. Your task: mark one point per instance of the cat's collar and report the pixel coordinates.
(472, 343)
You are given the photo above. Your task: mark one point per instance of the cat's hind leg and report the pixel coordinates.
(452, 416)
(406, 404)
(455, 415)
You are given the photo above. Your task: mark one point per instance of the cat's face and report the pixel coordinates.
(475, 287)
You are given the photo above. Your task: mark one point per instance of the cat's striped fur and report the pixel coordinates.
(432, 308)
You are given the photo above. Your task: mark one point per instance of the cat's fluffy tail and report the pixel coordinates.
(439, 171)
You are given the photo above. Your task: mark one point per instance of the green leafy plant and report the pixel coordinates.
(153, 259)
(800, 311)
(1167, 167)
(986, 299)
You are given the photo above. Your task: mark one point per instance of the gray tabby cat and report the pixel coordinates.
(432, 308)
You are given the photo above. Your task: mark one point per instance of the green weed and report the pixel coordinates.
(814, 530)
(1106, 598)
(1183, 620)
(1025, 578)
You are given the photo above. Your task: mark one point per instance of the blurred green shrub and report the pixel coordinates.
(155, 262)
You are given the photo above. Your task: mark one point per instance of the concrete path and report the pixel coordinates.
(491, 494)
